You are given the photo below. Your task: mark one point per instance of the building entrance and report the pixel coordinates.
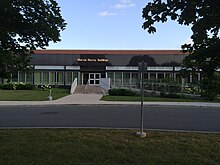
(94, 78)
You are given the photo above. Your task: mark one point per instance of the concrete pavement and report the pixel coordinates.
(94, 99)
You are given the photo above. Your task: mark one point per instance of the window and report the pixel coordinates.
(60, 78)
(45, 80)
(37, 78)
(52, 78)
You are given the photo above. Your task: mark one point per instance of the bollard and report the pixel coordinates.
(50, 97)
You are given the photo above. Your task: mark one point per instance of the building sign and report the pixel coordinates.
(92, 60)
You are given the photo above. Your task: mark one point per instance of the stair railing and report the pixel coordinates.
(73, 86)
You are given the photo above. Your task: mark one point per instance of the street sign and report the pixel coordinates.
(142, 66)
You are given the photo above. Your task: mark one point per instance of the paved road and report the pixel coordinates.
(112, 116)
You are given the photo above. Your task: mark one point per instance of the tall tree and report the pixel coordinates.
(26, 25)
(137, 59)
(203, 16)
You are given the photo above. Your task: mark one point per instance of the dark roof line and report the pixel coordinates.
(126, 52)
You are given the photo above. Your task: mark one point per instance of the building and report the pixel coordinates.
(61, 67)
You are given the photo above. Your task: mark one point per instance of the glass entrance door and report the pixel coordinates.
(94, 78)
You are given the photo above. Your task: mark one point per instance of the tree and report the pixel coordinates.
(26, 25)
(203, 16)
(171, 63)
(11, 63)
(136, 59)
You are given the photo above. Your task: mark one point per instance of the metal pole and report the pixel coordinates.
(142, 133)
(142, 98)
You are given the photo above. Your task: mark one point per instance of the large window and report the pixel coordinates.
(37, 78)
(60, 79)
(126, 79)
(45, 80)
(118, 78)
(52, 78)
(153, 76)
(29, 78)
(135, 78)
(22, 77)
(160, 75)
(68, 78)
(111, 76)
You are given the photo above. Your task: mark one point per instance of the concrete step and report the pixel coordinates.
(80, 89)
(86, 89)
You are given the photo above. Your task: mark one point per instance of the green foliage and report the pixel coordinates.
(44, 87)
(136, 59)
(32, 95)
(191, 90)
(107, 147)
(121, 92)
(203, 16)
(8, 86)
(210, 86)
(22, 86)
(170, 95)
(17, 86)
(27, 25)
(12, 62)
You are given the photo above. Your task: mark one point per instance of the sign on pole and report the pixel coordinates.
(142, 67)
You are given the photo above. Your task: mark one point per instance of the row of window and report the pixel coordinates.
(116, 78)
(45, 77)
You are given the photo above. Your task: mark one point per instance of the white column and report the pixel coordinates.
(114, 77)
(78, 77)
(122, 79)
(190, 78)
(174, 76)
(18, 76)
(41, 78)
(130, 79)
(149, 76)
(199, 76)
(49, 79)
(25, 77)
(82, 78)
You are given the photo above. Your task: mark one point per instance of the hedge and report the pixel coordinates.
(121, 92)
(15, 86)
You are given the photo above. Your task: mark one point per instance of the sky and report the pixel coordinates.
(115, 25)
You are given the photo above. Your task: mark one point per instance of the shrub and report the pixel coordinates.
(20, 86)
(121, 92)
(8, 86)
(44, 87)
(170, 95)
(28, 86)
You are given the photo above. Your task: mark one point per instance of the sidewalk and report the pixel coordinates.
(94, 99)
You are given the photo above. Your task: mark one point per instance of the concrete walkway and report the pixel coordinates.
(94, 99)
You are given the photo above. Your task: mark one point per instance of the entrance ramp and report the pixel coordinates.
(86, 89)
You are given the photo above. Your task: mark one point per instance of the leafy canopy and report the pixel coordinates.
(26, 25)
(204, 18)
(30, 24)
(203, 15)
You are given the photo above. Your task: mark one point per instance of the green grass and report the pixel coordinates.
(31, 95)
(82, 146)
(138, 98)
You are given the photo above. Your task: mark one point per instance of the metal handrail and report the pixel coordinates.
(73, 86)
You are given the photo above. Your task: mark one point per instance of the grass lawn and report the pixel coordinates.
(31, 95)
(96, 146)
(138, 98)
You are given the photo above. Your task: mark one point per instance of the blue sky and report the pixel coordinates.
(114, 24)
